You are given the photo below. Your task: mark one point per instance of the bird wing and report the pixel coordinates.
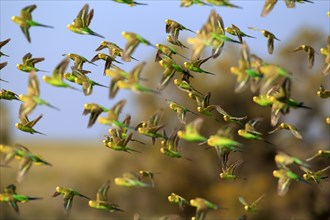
(33, 122)
(26, 12)
(23, 168)
(61, 68)
(33, 85)
(103, 191)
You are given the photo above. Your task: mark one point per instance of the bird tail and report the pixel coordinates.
(138, 3)
(33, 23)
(96, 34)
(34, 198)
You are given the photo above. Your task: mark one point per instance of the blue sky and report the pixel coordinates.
(110, 19)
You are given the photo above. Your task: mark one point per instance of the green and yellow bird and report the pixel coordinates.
(131, 180)
(170, 146)
(228, 172)
(3, 43)
(113, 115)
(32, 98)
(282, 101)
(223, 3)
(202, 207)
(292, 3)
(78, 76)
(283, 160)
(180, 110)
(78, 60)
(114, 50)
(107, 58)
(28, 63)
(316, 176)
(195, 66)
(151, 126)
(148, 174)
(325, 51)
(176, 199)
(310, 52)
(191, 131)
(27, 160)
(253, 206)
(323, 93)
(68, 195)
(102, 202)
(56, 79)
(80, 24)
(8, 95)
(235, 31)
(117, 74)
(132, 41)
(167, 51)
(228, 118)
(129, 2)
(170, 67)
(94, 110)
(10, 196)
(223, 142)
(132, 81)
(25, 124)
(244, 63)
(25, 21)
(268, 6)
(178, 43)
(270, 38)
(117, 140)
(173, 28)
(250, 132)
(289, 127)
(320, 153)
(285, 177)
(188, 3)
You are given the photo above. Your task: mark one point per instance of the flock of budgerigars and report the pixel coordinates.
(251, 71)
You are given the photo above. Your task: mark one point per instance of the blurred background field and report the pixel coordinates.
(83, 163)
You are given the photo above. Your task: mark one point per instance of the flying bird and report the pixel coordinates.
(80, 24)
(10, 196)
(107, 58)
(268, 6)
(132, 41)
(25, 21)
(8, 95)
(28, 63)
(25, 124)
(176, 199)
(151, 126)
(191, 131)
(56, 79)
(129, 2)
(270, 38)
(27, 160)
(310, 52)
(202, 207)
(234, 30)
(114, 50)
(253, 206)
(289, 127)
(32, 98)
(68, 195)
(102, 200)
(94, 110)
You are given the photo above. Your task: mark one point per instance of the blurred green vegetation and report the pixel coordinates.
(86, 164)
